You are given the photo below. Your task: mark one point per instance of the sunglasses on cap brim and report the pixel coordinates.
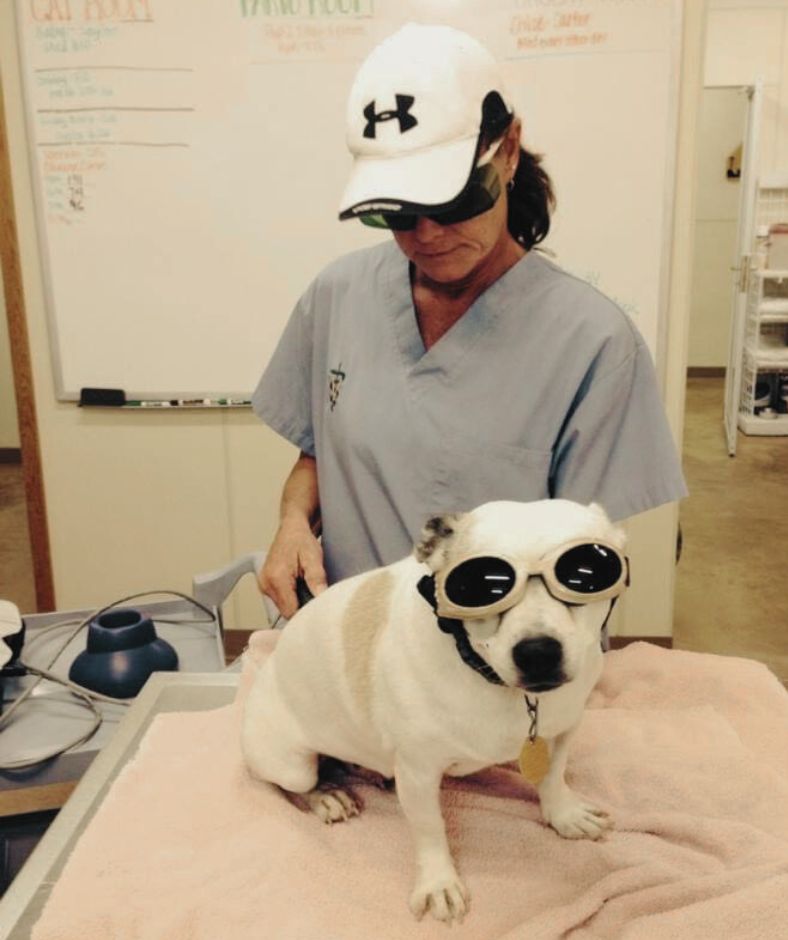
(478, 196)
(579, 572)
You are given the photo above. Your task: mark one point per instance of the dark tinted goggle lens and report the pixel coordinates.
(479, 582)
(479, 196)
(588, 569)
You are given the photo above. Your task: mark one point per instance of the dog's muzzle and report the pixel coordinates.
(540, 662)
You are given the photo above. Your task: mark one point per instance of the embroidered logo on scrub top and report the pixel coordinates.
(335, 379)
(402, 114)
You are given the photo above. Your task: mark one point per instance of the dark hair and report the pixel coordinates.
(531, 198)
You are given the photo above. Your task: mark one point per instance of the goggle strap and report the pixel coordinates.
(426, 587)
(603, 628)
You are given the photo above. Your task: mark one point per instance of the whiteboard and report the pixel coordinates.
(189, 159)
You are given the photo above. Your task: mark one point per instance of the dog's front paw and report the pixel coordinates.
(332, 804)
(444, 896)
(574, 819)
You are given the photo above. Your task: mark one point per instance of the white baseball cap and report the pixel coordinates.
(414, 116)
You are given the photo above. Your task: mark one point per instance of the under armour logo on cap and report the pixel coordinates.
(430, 84)
(402, 114)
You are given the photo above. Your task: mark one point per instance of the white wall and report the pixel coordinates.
(148, 501)
(745, 39)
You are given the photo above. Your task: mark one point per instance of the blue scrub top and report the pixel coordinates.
(543, 388)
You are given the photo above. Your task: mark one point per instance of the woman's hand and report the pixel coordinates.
(295, 552)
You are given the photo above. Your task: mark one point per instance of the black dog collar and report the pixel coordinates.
(453, 627)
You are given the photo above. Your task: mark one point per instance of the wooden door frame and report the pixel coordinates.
(23, 379)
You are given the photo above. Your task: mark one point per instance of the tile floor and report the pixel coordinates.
(732, 580)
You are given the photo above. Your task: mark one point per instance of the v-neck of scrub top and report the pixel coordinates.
(457, 342)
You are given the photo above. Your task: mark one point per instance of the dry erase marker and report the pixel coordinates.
(149, 404)
(187, 402)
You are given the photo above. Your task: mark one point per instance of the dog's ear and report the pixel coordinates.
(616, 534)
(436, 536)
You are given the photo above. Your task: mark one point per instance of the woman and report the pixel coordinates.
(454, 365)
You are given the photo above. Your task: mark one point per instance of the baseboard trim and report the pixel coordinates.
(619, 642)
(10, 455)
(705, 372)
(235, 642)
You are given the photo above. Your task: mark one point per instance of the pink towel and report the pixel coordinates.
(688, 751)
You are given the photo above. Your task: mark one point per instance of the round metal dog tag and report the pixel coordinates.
(535, 760)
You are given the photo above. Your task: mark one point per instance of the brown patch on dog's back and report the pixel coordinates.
(364, 618)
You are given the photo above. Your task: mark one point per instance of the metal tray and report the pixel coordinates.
(24, 901)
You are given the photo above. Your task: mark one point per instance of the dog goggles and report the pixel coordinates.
(479, 195)
(578, 572)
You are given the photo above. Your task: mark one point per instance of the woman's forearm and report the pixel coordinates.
(300, 495)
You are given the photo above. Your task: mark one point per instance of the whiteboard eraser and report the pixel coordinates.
(112, 397)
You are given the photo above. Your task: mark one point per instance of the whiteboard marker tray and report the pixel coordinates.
(24, 901)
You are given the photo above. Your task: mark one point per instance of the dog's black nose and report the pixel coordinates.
(540, 662)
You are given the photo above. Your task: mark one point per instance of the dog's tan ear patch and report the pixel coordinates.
(435, 538)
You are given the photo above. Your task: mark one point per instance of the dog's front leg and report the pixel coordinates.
(562, 808)
(438, 886)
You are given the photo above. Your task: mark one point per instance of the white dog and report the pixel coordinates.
(481, 648)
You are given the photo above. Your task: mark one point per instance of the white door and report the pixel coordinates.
(741, 261)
